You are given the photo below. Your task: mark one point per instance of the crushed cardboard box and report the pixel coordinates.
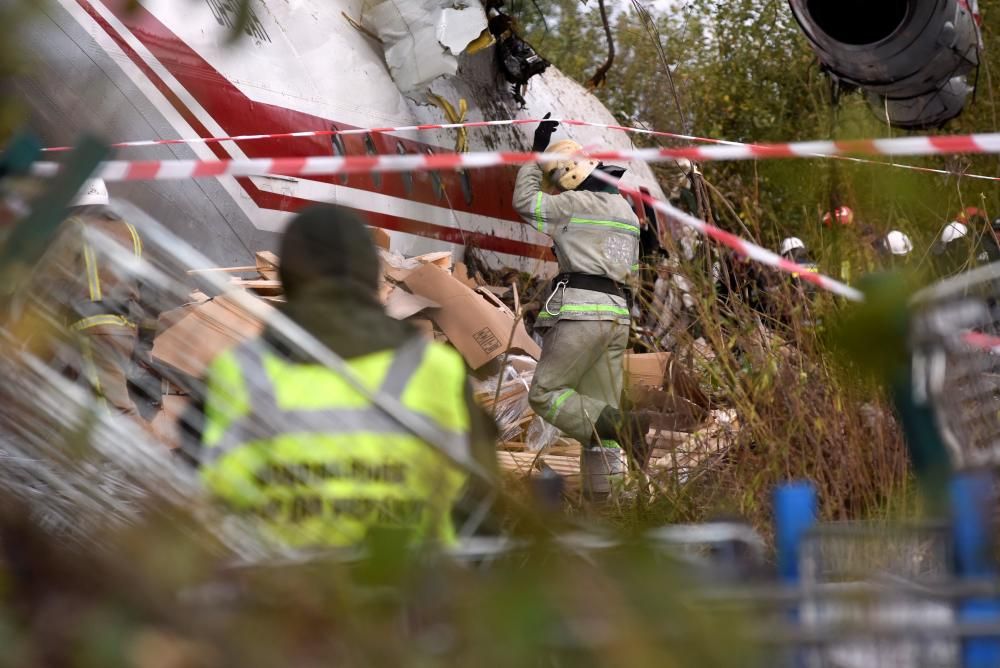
(207, 329)
(395, 267)
(479, 330)
(461, 273)
(655, 371)
(380, 237)
(401, 304)
(646, 369)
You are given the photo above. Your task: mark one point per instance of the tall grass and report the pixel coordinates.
(759, 343)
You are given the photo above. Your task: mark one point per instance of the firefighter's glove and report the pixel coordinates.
(543, 133)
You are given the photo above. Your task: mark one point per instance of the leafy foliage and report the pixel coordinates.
(744, 72)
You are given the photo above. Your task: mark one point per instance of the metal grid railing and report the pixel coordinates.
(956, 363)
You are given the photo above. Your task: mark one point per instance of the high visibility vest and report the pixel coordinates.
(297, 446)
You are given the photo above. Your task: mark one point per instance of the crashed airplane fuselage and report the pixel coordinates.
(166, 69)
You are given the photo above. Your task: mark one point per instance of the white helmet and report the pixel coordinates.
(568, 173)
(898, 243)
(790, 244)
(93, 192)
(953, 231)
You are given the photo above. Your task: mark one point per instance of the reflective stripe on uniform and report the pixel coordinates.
(557, 404)
(405, 363)
(101, 320)
(587, 308)
(90, 259)
(611, 224)
(136, 241)
(539, 220)
(268, 420)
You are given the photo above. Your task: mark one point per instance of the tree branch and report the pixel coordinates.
(601, 75)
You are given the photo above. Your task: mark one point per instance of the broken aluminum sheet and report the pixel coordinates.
(422, 38)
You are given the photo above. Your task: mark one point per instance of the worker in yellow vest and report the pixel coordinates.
(297, 445)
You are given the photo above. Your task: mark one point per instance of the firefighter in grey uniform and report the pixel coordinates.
(578, 382)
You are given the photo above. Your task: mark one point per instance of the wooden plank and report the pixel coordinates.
(261, 286)
(267, 264)
(517, 462)
(565, 466)
(512, 446)
(230, 270)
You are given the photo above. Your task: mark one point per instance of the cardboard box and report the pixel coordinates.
(478, 329)
(395, 267)
(646, 369)
(652, 375)
(461, 272)
(401, 304)
(380, 237)
(205, 331)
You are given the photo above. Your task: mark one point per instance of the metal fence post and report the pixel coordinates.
(973, 501)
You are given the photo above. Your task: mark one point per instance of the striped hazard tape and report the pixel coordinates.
(118, 170)
(500, 123)
(742, 247)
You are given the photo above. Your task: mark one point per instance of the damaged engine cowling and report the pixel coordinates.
(909, 56)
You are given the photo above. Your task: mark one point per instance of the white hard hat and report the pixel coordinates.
(953, 231)
(93, 192)
(898, 243)
(790, 244)
(568, 173)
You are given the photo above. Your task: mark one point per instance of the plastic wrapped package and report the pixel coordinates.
(509, 407)
(540, 435)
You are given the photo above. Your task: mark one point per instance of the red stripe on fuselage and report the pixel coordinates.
(155, 78)
(451, 235)
(237, 115)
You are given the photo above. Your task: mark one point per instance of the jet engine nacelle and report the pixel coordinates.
(909, 56)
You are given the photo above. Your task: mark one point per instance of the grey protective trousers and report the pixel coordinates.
(579, 374)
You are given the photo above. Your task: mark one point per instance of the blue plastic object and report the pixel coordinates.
(973, 500)
(794, 515)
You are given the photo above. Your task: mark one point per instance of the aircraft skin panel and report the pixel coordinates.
(302, 55)
(78, 85)
(151, 83)
(281, 199)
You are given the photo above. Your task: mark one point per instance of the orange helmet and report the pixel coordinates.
(843, 215)
(969, 213)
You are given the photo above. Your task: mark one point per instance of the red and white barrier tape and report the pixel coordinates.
(117, 170)
(401, 128)
(742, 247)
(981, 341)
(483, 124)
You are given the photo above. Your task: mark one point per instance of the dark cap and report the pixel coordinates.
(328, 243)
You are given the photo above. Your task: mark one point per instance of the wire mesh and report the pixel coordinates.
(880, 615)
(101, 406)
(956, 368)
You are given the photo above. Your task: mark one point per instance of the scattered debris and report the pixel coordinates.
(442, 301)
(216, 324)
(480, 330)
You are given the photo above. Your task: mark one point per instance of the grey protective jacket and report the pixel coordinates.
(595, 233)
